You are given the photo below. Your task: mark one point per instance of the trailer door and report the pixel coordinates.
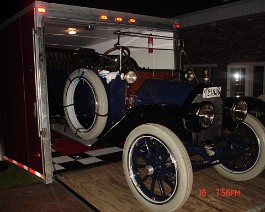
(25, 139)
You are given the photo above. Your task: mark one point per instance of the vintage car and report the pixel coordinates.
(168, 127)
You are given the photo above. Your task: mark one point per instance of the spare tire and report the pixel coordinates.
(96, 104)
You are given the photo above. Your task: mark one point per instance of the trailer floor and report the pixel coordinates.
(81, 160)
(69, 154)
(105, 188)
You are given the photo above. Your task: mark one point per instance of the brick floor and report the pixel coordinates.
(39, 197)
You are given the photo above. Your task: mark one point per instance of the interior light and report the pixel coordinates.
(103, 17)
(41, 9)
(71, 31)
(132, 20)
(118, 19)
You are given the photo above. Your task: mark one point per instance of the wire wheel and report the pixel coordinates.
(247, 144)
(157, 167)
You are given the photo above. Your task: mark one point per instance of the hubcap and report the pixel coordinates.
(149, 170)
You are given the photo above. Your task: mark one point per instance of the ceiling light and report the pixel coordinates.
(132, 20)
(103, 17)
(118, 19)
(41, 9)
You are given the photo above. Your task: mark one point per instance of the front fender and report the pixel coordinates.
(254, 104)
(256, 107)
(163, 114)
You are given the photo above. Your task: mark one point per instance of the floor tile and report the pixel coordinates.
(104, 151)
(62, 159)
(89, 160)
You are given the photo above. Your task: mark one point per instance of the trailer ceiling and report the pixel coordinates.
(57, 36)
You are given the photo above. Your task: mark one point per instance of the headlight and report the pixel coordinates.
(239, 111)
(205, 114)
(190, 75)
(130, 77)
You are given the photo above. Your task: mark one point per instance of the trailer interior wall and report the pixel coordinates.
(101, 37)
(18, 93)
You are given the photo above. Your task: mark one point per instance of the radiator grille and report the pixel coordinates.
(216, 128)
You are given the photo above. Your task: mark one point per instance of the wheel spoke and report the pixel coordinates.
(251, 156)
(161, 187)
(139, 165)
(147, 146)
(234, 162)
(152, 188)
(243, 161)
(146, 159)
(144, 178)
(169, 182)
(157, 149)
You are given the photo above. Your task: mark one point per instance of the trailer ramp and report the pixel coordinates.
(105, 188)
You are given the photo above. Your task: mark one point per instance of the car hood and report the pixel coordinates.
(155, 91)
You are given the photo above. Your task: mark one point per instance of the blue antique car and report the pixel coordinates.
(171, 127)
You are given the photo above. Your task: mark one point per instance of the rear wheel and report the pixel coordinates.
(157, 167)
(248, 145)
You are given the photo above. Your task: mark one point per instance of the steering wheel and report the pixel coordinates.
(114, 61)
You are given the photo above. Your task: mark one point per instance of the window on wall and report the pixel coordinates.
(238, 82)
(258, 81)
(246, 79)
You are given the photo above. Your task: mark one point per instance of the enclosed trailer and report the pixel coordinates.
(107, 78)
(39, 40)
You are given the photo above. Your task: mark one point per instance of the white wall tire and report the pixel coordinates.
(160, 178)
(258, 164)
(100, 102)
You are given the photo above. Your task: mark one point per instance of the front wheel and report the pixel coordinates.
(248, 143)
(157, 167)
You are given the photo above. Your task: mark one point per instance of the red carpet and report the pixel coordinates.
(67, 146)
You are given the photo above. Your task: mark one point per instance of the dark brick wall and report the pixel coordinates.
(224, 42)
(228, 41)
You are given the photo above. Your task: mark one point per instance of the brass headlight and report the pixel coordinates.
(205, 114)
(190, 75)
(239, 111)
(130, 77)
